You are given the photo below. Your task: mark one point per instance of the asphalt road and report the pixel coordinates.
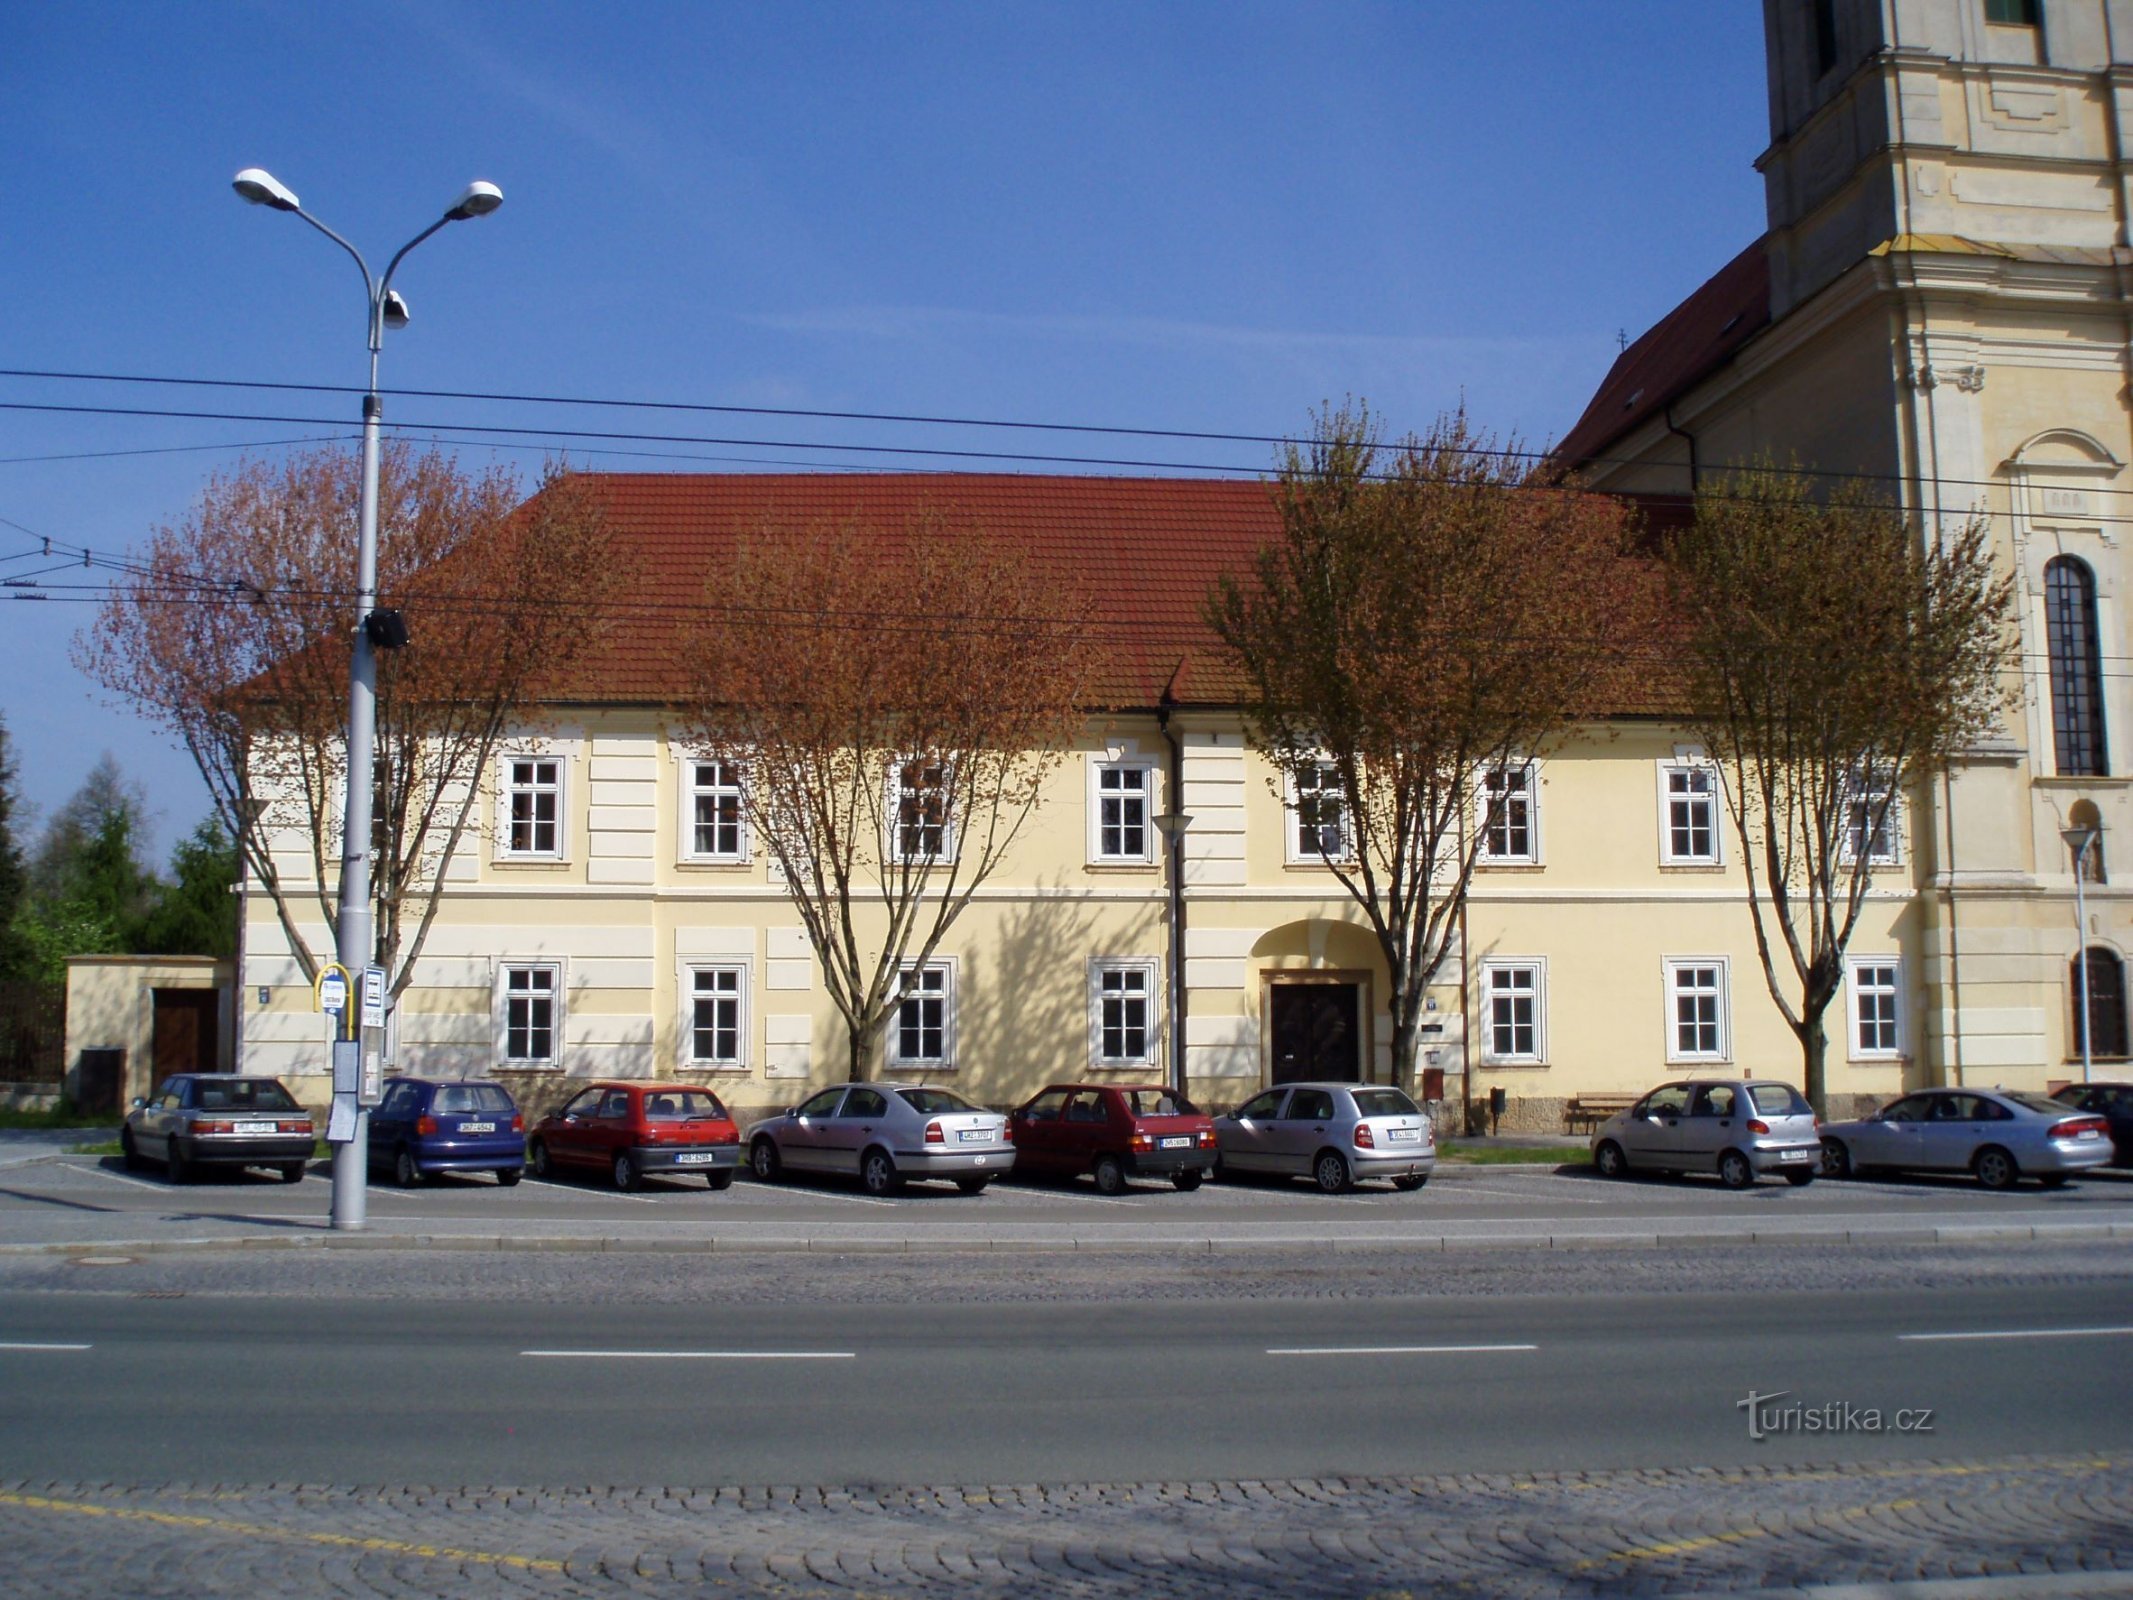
(103, 1387)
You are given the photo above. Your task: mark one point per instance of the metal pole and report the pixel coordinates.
(2081, 949)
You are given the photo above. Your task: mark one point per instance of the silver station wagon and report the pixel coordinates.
(1332, 1133)
(1739, 1128)
(885, 1134)
(1999, 1135)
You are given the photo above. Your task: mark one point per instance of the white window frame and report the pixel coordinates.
(892, 1052)
(691, 790)
(1856, 992)
(1292, 822)
(1891, 852)
(1099, 767)
(1529, 792)
(507, 791)
(1714, 796)
(894, 790)
(1536, 968)
(743, 992)
(1152, 1025)
(1676, 968)
(500, 1009)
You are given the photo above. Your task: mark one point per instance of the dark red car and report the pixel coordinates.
(1115, 1132)
(628, 1130)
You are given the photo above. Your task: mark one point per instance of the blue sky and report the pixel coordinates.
(1196, 216)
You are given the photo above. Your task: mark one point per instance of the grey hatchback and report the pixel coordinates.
(886, 1133)
(1333, 1133)
(1739, 1128)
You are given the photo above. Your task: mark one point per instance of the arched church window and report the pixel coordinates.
(2076, 669)
(2102, 1013)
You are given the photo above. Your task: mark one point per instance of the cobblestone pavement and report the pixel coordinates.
(2026, 1527)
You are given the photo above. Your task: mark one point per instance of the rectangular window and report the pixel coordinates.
(1876, 1004)
(715, 808)
(2012, 13)
(1122, 822)
(533, 792)
(1124, 1019)
(1690, 828)
(1512, 993)
(1865, 798)
(530, 994)
(1509, 830)
(1316, 802)
(924, 831)
(717, 1001)
(1696, 1003)
(922, 1033)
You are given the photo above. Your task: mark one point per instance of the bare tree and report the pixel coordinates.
(1435, 616)
(896, 700)
(233, 635)
(1835, 661)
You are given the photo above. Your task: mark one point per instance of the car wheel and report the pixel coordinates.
(878, 1173)
(972, 1185)
(1734, 1171)
(763, 1161)
(625, 1171)
(128, 1151)
(543, 1168)
(721, 1179)
(507, 1176)
(405, 1173)
(1188, 1180)
(1110, 1176)
(1410, 1183)
(1995, 1168)
(1610, 1161)
(292, 1172)
(1330, 1171)
(1836, 1159)
(1800, 1177)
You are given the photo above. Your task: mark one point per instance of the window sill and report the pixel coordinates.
(522, 863)
(1488, 1065)
(717, 1069)
(715, 863)
(553, 1068)
(1507, 864)
(1118, 866)
(1692, 866)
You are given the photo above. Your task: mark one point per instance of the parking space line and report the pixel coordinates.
(579, 1188)
(2018, 1333)
(1069, 1196)
(1402, 1349)
(130, 1178)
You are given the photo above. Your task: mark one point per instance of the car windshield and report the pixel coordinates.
(471, 1099)
(1778, 1100)
(1383, 1103)
(1156, 1103)
(927, 1102)
(245, 1094)
(2032, 1102)
(672, 1105)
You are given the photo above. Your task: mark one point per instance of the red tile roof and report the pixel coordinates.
(1679, 351)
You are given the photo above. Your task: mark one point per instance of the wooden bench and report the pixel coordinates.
(1584, 1112)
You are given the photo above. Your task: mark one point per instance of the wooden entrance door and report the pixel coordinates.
(186, 1036)
(1316, 1036)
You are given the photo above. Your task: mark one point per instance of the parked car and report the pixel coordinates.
(218, 1119)
(1114, 1132)
(425, 1126)
(2000, 1135)
(1739, 1128)
(632, 1130)
(1333, 1133)
(2111, 1101)
(887, 1134)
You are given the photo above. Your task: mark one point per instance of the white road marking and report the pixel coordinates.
(584, 1188)
(2019, 1333)
(127, 1177)
(1460, 1186)
(12, 1345)
(836, 1194)
(696, 1355)
(1401, 1349)
(1070, 1196)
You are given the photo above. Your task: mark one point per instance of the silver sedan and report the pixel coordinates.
(885, 1134)
(2000, 1135)
(1333, 1133)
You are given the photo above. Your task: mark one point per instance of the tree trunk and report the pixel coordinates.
(1814, 1051)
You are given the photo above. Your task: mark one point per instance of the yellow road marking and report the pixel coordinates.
(339, 1541)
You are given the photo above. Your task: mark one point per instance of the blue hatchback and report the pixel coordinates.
(425, 1126)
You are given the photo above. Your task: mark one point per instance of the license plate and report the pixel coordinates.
(1404, 1135)
(976, 1135)
(257, 1127)
(1176, 1144)
(2088, 1133)
(477, 1127)
(1795, 1155)
(694, 1158)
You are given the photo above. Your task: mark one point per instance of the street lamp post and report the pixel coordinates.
(354, 946)
(2081, 840)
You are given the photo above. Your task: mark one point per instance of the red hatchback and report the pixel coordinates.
(1116, 1132)
(630, 1129)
